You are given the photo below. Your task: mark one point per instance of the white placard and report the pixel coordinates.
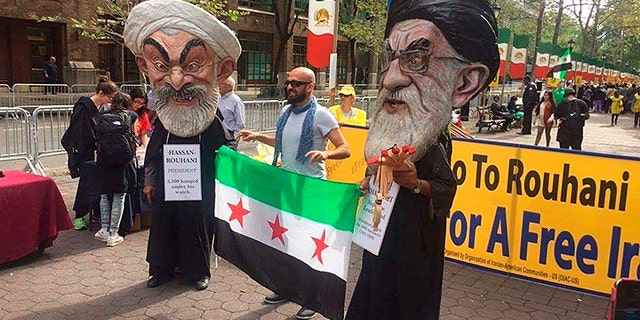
(363, 233)
(182, 178)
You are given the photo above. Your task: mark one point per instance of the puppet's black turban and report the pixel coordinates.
(469, 26)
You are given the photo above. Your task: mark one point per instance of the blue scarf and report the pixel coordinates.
(306, 138)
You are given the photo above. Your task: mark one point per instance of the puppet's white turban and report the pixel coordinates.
(150, 16)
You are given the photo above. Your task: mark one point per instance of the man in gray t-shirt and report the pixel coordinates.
(302, 132)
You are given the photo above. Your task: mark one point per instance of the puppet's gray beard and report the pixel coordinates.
(191, 121)
(419, 125)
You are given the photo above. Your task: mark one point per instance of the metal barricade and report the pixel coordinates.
(47, 125)
(29, 96)
(15, 136)
(271, 110)
(6, 96)
(252, 115)
(81, 90)
(126, 88)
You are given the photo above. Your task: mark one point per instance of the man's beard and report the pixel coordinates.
(418, 125)
(187, 121)
(297, 98)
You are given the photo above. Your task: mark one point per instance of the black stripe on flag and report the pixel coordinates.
(281, 273)
(558, 68)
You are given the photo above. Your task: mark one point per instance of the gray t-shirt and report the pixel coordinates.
(323, 122)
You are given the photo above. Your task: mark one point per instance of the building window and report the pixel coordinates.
(255, 62)
(343, 54)
(302, 7)
(265, 5)
(300, 52)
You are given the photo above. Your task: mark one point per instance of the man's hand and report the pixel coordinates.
(246, 135)
(406, 177)
(150, 192)
(316, 156)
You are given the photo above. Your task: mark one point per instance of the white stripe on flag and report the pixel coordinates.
(298, 241)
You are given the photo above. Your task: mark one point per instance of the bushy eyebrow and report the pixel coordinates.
(418, 44)
(190, 45)
(157, 45)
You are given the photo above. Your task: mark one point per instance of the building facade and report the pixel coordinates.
(26, 43)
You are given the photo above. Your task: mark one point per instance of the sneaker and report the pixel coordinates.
(78, 224)
(114, 239)
(305, 313)
(274, 298)
(102, 235)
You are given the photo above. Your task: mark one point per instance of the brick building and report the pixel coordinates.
(25, 43)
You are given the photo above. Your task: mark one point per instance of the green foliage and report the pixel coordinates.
(112, 14)
(367, 27)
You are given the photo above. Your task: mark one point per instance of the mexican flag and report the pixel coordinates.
(518, 66)
(320, 32)
(559, 70)
(290, 233)
(504, 41)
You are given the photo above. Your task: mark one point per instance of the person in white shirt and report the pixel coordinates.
(231, 106)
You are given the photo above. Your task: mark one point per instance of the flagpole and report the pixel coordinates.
(336, 14)
(571, 43)
(507, 65)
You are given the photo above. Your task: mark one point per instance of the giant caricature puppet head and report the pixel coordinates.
(186, 53)
(440, 54)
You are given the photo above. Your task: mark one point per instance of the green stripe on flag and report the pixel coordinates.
(521, 41)
(315, 199)
(504, 34)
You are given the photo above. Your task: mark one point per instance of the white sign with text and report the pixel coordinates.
(182, 178)
(363, 233)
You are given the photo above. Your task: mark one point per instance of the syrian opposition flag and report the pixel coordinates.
(519, 56)
(559, 71)
(320, 32)
(290, 233)
(504, 41)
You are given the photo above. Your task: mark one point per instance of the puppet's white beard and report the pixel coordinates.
(418, 125)
(191, 121)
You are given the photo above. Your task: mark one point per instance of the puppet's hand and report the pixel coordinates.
(150, 192)
(364, 185)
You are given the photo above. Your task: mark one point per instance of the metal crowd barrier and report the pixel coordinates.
(32, 137)
(5, 96)
(15, 140)
(29, 96)
(48, 124)
(126, 88)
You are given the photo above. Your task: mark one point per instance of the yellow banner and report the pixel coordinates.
(578, 80)
(496, 80)
(553, 82)
(352, 169)
(551, 216)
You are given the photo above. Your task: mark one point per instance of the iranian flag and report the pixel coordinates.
(518, 66)
(542, 61)
(504, 41)
(290, 233)
(559, 70)
(320, 32)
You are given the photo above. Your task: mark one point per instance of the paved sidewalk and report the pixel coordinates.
(80, 278)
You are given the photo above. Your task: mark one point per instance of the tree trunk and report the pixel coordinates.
(284, 30)
(539, 22)
(594, 30)
(556, 29)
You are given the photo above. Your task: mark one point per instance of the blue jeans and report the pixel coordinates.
(111, 213)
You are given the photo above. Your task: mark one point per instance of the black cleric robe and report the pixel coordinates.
(405, 280)
(181, 232)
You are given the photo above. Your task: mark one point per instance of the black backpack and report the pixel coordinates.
(574, 121)
(116, 143)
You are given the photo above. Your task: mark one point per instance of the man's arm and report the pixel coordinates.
(341, 151)
(247, 135)
(239, 113)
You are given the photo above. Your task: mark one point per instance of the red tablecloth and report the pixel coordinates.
(32, 212)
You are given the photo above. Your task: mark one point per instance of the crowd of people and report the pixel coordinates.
(540, 108)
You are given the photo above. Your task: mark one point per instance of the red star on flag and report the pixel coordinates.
(320, 246)
(277, 230)
(238, 212)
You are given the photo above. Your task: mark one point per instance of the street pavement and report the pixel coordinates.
(80, 278)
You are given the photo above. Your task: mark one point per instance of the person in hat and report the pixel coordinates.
(186, 53)
(345, 113)
(571, 114)
(438, 55)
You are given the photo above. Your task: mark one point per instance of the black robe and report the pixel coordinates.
(405, 280)
(181, 232)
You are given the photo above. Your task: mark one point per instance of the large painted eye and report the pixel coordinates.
(192, 67)
(160, 66)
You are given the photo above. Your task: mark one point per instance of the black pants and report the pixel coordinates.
(636, 119)
(574, 143)
(527, 119)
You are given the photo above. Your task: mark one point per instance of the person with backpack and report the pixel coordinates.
(116, 171)
(79, 140)
(571, 114)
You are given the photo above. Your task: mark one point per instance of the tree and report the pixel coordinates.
(284, 29)
(367, 25)
(108, 23)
